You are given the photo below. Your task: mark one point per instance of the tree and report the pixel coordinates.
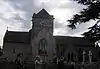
(92, 12)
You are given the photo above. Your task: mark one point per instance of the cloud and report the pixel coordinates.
(17, 15)
(11, 17)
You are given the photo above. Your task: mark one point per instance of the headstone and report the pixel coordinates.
(83, 56)
(90, 57)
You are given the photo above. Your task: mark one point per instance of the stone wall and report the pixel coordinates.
(12, 49)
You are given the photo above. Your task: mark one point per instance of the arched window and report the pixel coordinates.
(72, 56)
(68, 56)
(42, 45)
(13, 50)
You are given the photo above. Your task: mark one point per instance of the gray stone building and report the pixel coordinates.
(40, 41)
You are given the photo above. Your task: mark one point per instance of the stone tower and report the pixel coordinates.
(42, 20)
(42, 41)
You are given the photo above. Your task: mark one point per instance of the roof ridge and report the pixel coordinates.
(43, 11)
(18, 31)
(69, 36)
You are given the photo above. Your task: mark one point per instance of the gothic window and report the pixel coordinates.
(72, 56)
(80, 54)
(68, 56)
(42, 46)
(13, 50)
(80, 51)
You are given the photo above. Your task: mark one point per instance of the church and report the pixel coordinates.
(40, 41)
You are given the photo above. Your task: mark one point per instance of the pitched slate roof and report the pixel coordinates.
(42, 14)
(78, 41)
(16, 37)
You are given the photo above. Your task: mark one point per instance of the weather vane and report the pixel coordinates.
(43, 5)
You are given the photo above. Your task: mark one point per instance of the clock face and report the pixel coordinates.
(43, 23)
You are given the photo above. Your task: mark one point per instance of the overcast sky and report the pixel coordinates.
(17, 14)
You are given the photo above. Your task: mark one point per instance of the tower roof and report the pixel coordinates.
(42, 14)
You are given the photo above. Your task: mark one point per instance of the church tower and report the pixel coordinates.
(42, 20)
(42, 40)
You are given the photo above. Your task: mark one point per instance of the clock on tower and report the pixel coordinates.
(43, 23)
